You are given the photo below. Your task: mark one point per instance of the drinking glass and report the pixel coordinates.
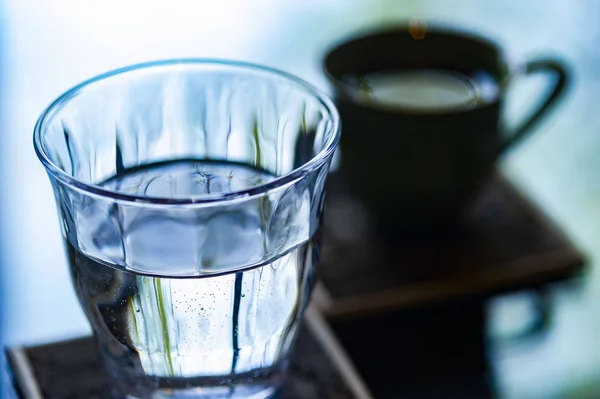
(190, 196)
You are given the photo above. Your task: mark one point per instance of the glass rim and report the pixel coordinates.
(332, 133)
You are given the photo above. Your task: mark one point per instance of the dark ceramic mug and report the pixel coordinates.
(413, 164)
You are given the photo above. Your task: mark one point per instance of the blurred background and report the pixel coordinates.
(47, 47)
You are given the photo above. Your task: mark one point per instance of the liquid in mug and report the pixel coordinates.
(426, 89)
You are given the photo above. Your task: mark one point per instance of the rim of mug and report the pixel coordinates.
(436, 27)
(332, 134)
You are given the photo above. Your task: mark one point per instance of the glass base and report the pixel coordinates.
(238, 392)
(125, 383)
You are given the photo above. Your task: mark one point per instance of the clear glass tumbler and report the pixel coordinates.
(190, 195)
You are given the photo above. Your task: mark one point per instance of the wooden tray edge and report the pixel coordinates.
(428, 293)
(24, 375)
(431, 292)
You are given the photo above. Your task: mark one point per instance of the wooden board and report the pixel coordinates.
(506, 244)
(319, 368)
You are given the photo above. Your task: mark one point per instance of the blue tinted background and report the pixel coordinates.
(49, 46)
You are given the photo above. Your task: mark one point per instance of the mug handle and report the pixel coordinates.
(543, 312)
(553, 67)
